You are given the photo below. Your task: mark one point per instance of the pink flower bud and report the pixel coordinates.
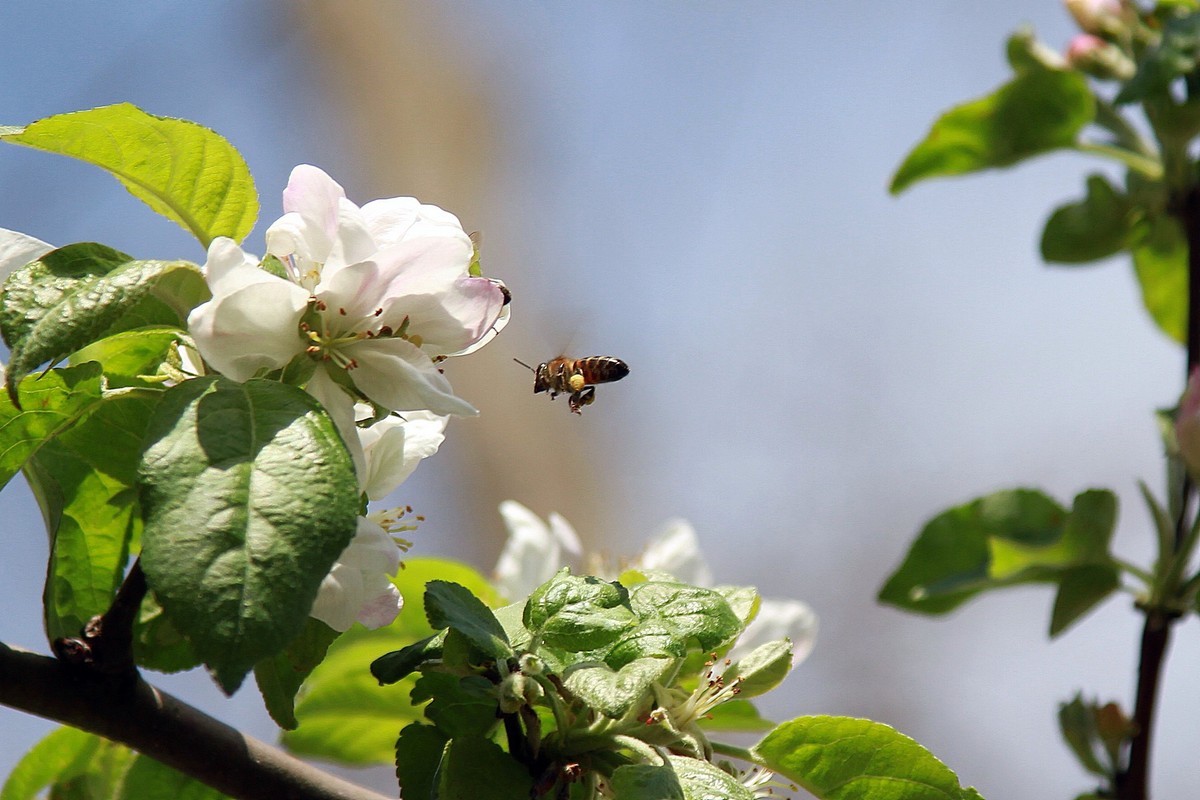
(1100, 59)
(1100, 16)
(1187, 424)
(1083, 46)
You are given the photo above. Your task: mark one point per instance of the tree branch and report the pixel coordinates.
(158, 725)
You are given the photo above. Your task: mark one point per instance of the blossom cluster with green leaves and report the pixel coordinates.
(207, 443)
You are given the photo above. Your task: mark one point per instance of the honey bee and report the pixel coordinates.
(577, 376)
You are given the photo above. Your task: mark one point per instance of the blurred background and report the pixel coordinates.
(699, 189)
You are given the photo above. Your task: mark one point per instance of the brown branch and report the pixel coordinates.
(158, 725)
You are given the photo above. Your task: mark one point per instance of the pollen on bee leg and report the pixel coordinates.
(576, 382)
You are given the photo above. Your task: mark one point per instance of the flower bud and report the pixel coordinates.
(1101, 16)
(1187, 424)
(1100, 59)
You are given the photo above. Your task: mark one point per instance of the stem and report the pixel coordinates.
(1133, 783)
(733, 751)
(154, 723)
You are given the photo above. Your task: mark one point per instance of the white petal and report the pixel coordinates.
(676, 550)
(395, 219)
(339, 598)
(18, 249)
(382, 609)
(357, 586)
(252, 321)
(395, 446)
(399, 376)
(531, 555)
(493, 330)
(777, 619)
(565, 534)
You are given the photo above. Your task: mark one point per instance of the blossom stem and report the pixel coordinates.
(733, 751)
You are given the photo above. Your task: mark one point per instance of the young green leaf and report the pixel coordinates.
(1036, 112)
(81, 293)
(1160, 263)
(735, 715)
(449, 605)
(1175, 56)
(248, 497)
(1080, 589)
(85, 482)
(692, 611)
(1077, 722)
(55, 401)
(645, 782)
(279, 677)
(131, 358)
(183, 171)
(615, 692)
(762, 669)
(840, 758)
(148, 778)
(701, 780)
(62, 755)
(1096, 227)
(418, 757)
(578, 613)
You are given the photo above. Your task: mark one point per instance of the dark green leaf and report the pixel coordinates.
(473, 768)
(578, 613)
(1097, 227)
(841, 758)
(401, 663)
(279, 677)
(1036, 112)
(448, 605)
(344, 714)
(459, 706)
(1160, 262)
(418, 757)
(248, 497)
(182, 170)
(653, 638)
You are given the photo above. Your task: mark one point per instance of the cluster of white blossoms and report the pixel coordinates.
(369, 299)
(535, 551)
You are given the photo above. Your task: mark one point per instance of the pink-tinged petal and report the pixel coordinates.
(399, 376)
(353, 241)
(429, 265)
(493, 329)
(395, 447)
(450, 321)
(18, 249)
(396, 219)
(382, 609)
(314, 195)
(357, 586)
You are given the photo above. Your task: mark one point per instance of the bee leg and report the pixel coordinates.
(584, 397)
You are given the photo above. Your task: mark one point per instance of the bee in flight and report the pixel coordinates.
(578, 376)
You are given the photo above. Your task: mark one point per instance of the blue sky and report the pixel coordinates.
(817, 367)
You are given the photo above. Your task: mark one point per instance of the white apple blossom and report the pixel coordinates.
(374, 295)
(535, 551)
(359, 586)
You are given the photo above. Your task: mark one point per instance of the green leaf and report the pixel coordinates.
(1160, 263)
(702, 781)
(1003, 539)
(54, 402)
(345, 714)
(1097, 227)
(183, 171)
(459, 706)
(78, 294)
(613, 693)
(1080, 589)
(248, 497)
(1036, 112)
(147, 779)
(473, 768)
(279, 677)
(418, 756)
(85, 482)
(74, 765)
(1026, 54)
(61, 756)
(840, 758)
(1077, 722)
(577, 613)
(763, 668)
(448, 605)
(131, 358)
(693, 612)
(401, 663)
(645, 782)
(1175, 56)
(735, 715)
(157, 644)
